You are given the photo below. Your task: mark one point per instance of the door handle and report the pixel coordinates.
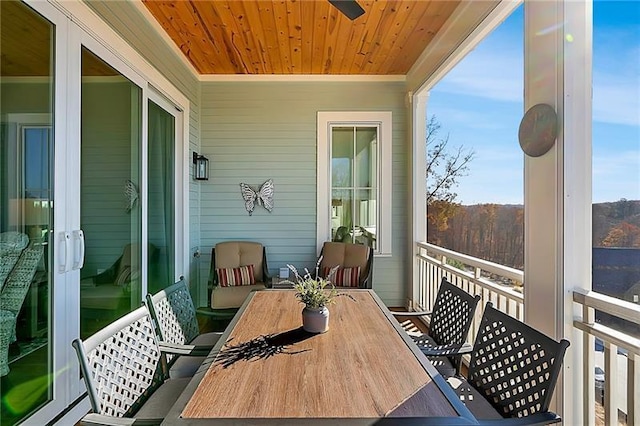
(64, 240)
(78, 249)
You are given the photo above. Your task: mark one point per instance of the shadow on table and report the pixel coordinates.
(262, 347)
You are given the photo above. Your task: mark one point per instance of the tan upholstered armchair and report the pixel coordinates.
(108, 294)
(237, 268)
(355, 263)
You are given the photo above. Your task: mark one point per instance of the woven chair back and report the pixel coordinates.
(120, 364)
(175, 315)
(11, 246)
(514, 366)
(19, 279)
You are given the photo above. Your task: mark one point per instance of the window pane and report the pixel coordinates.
(365, 158)
(36, 161)
(354, 177)
(161, 198)
(341, 214)
(110, 209)
(341, 156)
(366, 217)
(26, 209)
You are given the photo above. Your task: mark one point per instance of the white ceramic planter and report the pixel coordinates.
(315, 320)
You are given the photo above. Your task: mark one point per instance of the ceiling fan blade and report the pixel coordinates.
(350, 8)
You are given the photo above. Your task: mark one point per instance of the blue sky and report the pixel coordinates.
(479, 105)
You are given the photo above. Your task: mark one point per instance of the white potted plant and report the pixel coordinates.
(316, 293)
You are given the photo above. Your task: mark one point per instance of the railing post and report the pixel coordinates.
(633, 389)
(588, 369)
(610, 384)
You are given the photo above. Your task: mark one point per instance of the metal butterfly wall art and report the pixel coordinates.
(264, 196)
(130, 194)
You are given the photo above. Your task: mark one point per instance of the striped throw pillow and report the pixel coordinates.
(231, 277)
(344, 277)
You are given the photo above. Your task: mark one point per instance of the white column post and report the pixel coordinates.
(557, 185)
(418, 202)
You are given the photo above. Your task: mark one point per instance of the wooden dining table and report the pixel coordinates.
(364, 370)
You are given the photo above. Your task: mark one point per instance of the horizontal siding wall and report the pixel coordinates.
(254, 131)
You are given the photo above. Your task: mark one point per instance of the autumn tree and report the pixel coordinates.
(622, 235)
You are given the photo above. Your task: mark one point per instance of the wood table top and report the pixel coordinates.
(270, 368)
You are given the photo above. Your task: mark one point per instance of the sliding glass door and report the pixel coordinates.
(162, 135)
(27, 144)
(110, 208)
(92, 201)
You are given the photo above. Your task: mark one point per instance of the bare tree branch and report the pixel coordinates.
(444, 168)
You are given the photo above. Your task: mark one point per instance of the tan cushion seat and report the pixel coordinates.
(103, 297)
(160, 402)
(186, 366)
(232, 297)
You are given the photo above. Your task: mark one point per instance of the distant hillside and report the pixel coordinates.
(616, 224)
(495, 232)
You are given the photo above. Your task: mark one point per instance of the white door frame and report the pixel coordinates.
(181, 169)
(75, 26)
(61, 369)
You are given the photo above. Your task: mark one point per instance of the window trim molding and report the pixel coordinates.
(325, 119)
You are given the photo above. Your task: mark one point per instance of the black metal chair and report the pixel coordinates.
(177, 328)
(451, 318)
(512, 372)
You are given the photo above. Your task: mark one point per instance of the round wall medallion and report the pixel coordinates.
(538, 130)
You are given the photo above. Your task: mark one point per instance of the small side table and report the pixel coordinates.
(281, 283)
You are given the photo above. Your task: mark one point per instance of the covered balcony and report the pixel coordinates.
(131, 130)
(608, 395)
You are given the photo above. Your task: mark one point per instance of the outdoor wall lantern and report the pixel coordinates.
(201, 167)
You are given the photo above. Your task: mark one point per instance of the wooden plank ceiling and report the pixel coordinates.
(301, 36)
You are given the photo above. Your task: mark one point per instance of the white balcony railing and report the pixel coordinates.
(617, 395)
(475, 276)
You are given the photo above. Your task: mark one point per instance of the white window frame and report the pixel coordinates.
(381, 119)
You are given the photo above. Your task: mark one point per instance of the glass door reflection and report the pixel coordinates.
(26, 208)
(110, 215)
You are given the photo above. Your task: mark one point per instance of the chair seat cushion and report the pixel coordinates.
(232, 297)
(186, 366)
(160, 402)
(206, 339)
(106, 297)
